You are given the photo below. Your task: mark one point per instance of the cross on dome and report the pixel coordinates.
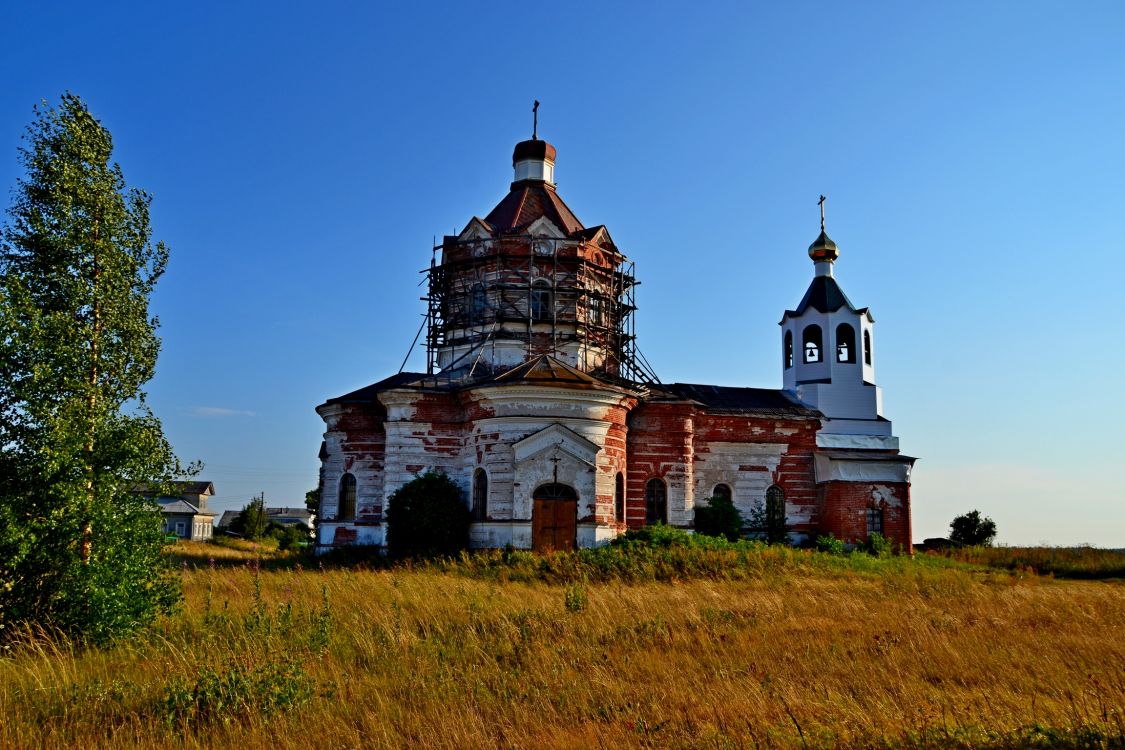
(823, 250)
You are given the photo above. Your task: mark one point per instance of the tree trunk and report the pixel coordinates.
(91, 405)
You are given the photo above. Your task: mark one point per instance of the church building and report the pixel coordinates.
(537, 402)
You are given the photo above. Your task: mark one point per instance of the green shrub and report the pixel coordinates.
(238, 692)
(576, 598)
(878, 545)
(427, 517)
(766, 522)
(719, 517)
(292, 537)
(830, 544)
(654, 535)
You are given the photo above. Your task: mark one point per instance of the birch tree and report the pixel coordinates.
(80, 550)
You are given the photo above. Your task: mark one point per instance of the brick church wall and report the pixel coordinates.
(844, 507)
(692, 450)
(660, 445)
(755, 452)
(358, 440)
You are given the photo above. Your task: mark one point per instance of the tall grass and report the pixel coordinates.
(668, 647)
(1062, 562)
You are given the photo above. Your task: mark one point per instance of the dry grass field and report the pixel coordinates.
(1063, 562)
(798, 649)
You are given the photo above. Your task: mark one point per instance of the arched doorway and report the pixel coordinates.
(554, 518)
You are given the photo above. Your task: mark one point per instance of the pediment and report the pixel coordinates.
(475, 229)
(601, 237)
(556, 437)
(544, 227)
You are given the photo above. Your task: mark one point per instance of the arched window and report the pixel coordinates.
(345, 511)
(541, 301)
(788, 349)
(867, 347)
(656, 501)
(480, 495)
(619, 498)
(477, 303)
(722, 491)
(813, 343)
(845, 343)
(775, 515)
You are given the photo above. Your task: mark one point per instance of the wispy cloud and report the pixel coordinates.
(217, 411)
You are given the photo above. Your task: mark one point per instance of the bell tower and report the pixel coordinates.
(828, 354)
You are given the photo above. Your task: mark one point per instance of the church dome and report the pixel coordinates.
(533, 150)
(534, 161)
(823, 248)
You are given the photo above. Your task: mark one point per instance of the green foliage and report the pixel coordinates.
(653, 535)
(972, 530)
(427, 517)
(829, 544)
(80, 550)
(252, 522)
(767, 524)
(1088, 563)
(289, 538)
(878, 545)
(238, 692)
(663, 553)
(312, 500)
(718, 517)
(576, 597)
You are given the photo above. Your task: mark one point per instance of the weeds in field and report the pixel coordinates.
(1062, 562)
(666, 644)
(576, 598)
(238, 692)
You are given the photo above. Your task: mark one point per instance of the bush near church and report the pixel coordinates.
(427, 517)
(718, 517)
(767, 524)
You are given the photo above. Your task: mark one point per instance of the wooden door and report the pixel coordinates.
(554, 519)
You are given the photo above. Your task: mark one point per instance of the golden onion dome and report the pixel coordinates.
(823, 248)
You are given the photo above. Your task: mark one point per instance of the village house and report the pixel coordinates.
(185, 513)
(283, 516)
(537, 402)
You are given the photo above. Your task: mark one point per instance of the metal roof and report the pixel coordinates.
(547, 370)
(369, 392)
(175, 505)
(723, 398)
(527, 201)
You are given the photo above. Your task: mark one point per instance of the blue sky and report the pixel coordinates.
(303, 155)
